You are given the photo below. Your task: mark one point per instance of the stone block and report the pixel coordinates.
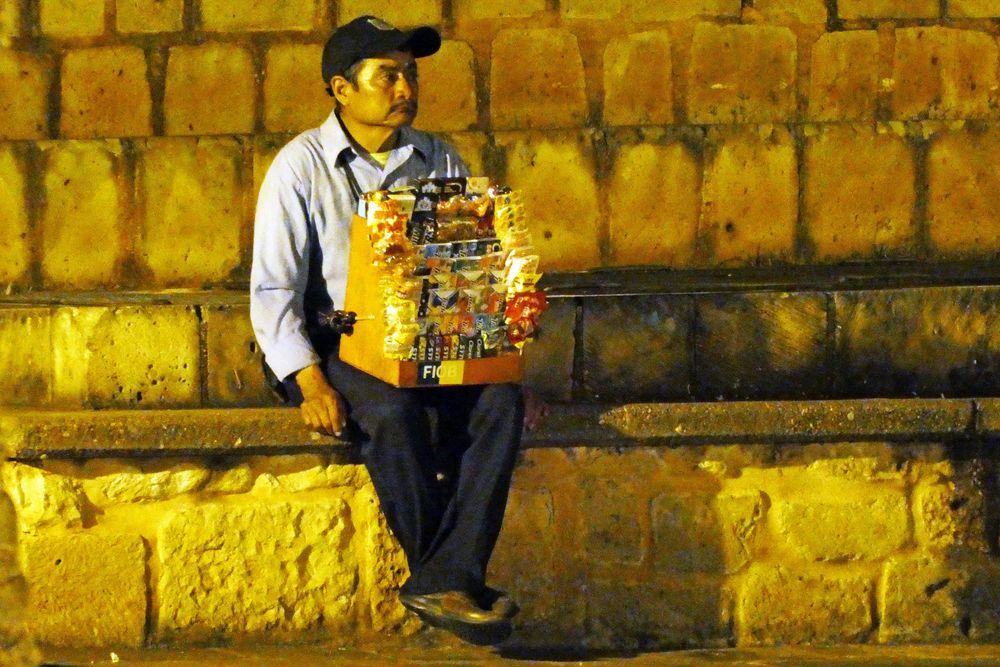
(678, 10)
(963, 186)
(149, 15)
(497, 9)
(910, 9)
(590, 9)
(194, 209)
(383, 566)
(973, 8)
(294, 97)
(655, 183)
(25, 79)
(223, 76)
(71, 18)
(948, 519)
(403, 14)
(231, 570)
(295, 473)
(742, 74)
(448, 89)
(687, 536)
(638, 80)
(859, 525)
(844, 76)
(10, 22)
(235, 376)
(555, 175)
(43, 499)
(645, 360)
(235, 479)
(686, 610)
(742, 524)
(105, 93)
(135, 357)
(793, 11)
(859, 194)
(944, 73)
(87, 589)
(744, 229)
(112, 482)
(259, 15)
(265, 148)
(15, 244)
(546, 89)
(613, 534)
(83, 224)
(548, 360)
(25, 357)
(920, 342)
(782, 605)
(762, 346)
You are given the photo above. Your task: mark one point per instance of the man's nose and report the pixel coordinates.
(406, 88)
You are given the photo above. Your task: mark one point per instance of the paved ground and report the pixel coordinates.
(456, 655)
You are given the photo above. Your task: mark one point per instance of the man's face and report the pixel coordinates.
(387, 91)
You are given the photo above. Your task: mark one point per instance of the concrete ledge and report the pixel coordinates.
(36, 434)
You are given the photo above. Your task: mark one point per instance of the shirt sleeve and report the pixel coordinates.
(280, 271)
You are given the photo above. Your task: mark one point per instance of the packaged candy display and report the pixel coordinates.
(458, 274)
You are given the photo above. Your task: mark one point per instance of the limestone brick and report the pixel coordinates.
(742, 74)
(265, 148)
(71, 18)
(290, 473)
(762, 345)
(946, 519)
(105, 93)
(859, 193)
(294, 96)
(548, 360)
(448, 89)
(25, 79)
(10, 22)
(964, 193)
(237, 569)
(235, 376)
(82, 227)
(844, 76)
(555, 175)
(210, 90)
(683, 9)
(973, 8)
(646, 360)
(670, 193)
(126, 357)
(236, 479)
(742, 526)
(944, 73)
(194, 209)
(686, 534)
(750, 195)
(403, 14)
(261, 15)
(110, 482)
(855, 526)
(383, 566)
(149, 15)
(782, 605)
(16, 648)
(920, 342)
(87, 589)
(497, 9)
(25, 356)
(590, 9)
(15, 244)
(911, 9)
(799, 11)
(43, 499)
(613, 534)
(546, 89)
(638, 80)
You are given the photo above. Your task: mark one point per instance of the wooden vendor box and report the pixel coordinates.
(364, 348)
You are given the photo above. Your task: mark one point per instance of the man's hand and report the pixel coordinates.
(534, 409)
(322, 407)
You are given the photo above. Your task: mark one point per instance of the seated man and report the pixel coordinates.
(300, 260)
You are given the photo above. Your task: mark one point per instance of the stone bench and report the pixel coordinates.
(647, 525)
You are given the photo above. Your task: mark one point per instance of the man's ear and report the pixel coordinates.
(339, 86)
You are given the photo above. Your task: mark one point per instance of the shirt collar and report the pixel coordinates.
(335, 139)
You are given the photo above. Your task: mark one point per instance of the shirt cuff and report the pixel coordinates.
(290, 356)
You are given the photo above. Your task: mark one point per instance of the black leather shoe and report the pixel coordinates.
(499, 602)
(458, 613)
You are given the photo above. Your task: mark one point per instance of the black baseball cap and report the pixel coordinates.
(369, 36)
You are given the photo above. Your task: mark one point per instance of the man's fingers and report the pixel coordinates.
(334, 416)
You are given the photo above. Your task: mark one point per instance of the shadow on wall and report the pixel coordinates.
(16, 648)
(613, 552)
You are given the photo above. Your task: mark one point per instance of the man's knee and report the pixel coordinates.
(502, 402)
(392, 410)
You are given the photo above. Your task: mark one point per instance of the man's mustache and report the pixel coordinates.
(410, 107)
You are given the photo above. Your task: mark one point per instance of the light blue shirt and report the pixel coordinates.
(302, 230)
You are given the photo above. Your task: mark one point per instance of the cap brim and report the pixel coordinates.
(421, 42)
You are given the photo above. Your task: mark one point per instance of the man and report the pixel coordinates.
(445, 504)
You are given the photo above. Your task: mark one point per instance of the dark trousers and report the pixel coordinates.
(447, 527)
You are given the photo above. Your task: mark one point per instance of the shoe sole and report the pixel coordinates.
(480, 634)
